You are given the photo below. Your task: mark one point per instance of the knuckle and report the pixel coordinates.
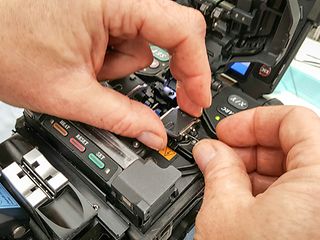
(223, 171)
(121, 127)
(303, 154)
(120, 123)
(198, 21)
(128, 119)
(124, 22)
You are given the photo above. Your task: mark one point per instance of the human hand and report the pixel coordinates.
(53, 52)
(279, 147)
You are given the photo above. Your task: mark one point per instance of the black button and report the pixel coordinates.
(238, 102)
(225, 111)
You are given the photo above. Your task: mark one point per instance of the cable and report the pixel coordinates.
(187, 167)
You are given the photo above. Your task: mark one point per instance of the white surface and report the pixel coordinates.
(309, 51)
(288, 98)
(8, 116)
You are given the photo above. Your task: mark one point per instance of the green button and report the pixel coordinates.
(160, 54)
(96, 161)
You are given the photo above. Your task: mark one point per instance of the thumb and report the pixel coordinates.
(224, 172)
(93, 104)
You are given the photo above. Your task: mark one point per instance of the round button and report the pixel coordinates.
(19, 232)
(154, 64)
(238, 102)
(265, 71)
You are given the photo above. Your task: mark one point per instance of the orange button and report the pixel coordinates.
(77, 145)
(60, 129)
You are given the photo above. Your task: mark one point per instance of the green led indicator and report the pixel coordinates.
(217, 118)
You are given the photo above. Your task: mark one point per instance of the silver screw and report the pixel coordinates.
(95, 207)
(19, 232)
(136, 144)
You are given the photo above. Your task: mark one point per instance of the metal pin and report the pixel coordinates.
(193, 138)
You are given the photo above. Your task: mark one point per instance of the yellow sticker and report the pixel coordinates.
(168, 153)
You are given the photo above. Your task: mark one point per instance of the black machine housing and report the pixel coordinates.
(73, 181)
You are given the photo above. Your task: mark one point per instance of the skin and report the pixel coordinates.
(53, 52)
(262, 178)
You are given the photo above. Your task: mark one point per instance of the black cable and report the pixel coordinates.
(188, 170)
(189, 173)
(187, 167)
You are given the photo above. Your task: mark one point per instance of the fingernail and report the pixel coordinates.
(203, 153)
(201, 111)
(210, 99)
(151, 140)
(198, 112)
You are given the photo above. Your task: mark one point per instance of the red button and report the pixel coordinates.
(77, 145)
(265, 71)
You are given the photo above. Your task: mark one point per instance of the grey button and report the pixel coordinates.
(154, 64)
(238, 102)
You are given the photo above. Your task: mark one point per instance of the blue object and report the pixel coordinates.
(158, 111)
(240, 67)
(303, 84)
(6, 200)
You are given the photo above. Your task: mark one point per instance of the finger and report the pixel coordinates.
(224, 172)
(185, 103)
(264, 126)
(296, 130)
(248, 156)
(263, 160)
(125, 58)
(105, 108)
(169, 25)
(259, 126)
(260, 183)
(270, 161)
